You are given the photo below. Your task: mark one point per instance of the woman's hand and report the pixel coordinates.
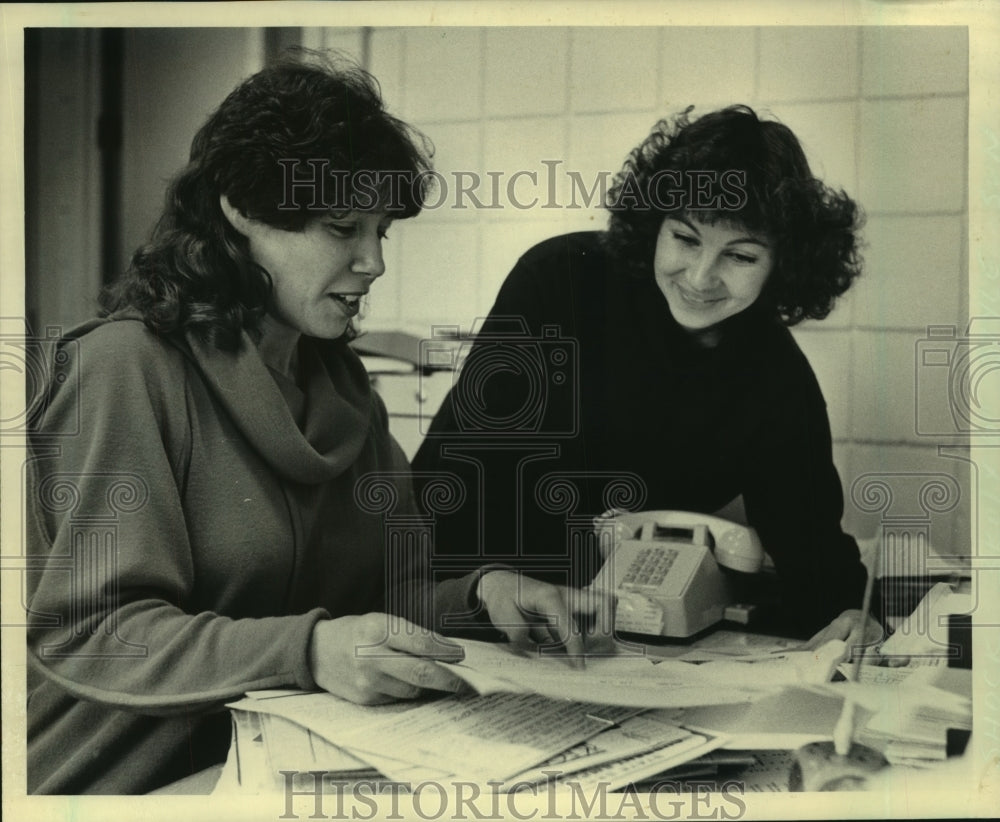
(534, 613)
(359, 658)
(854, 629)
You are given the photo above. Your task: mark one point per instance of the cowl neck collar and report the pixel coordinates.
(310, 434)
(307, 435)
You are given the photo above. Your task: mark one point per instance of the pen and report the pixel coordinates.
(843, 732)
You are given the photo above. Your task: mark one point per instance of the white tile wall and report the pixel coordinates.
(386, 60)
(913, 154)
(603, 141)
(828, 133)
(881, 112)
(905, 470)
(516, 145)
(613, 71)
(808, 64)
(457, 154)
(883, 392)
(914, 60)
(599, 145)
(347, 41)
(526, 71)
(441, 81)
(706, 67)
(912, 265)
(439, 272)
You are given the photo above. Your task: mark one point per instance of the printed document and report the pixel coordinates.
(482, 738)
(643, 681)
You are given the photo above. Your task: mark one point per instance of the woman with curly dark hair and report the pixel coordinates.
(197, 521)
(729, 167)
(685, 387)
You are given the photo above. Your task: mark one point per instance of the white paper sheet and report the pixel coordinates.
(924, 633)
(724, 644)
(265, 744)
(321, 712)
(481, 739)
(643, 681)
(787, 720)
(614, 775)
(636, 735)
(770, 772)
(293, 747)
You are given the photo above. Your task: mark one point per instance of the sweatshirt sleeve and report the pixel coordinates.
(110, 616)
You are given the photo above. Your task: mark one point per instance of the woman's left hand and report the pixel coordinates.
(856, 631)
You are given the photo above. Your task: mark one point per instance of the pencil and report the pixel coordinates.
(843, 732)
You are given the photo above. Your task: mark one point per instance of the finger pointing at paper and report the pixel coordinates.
(535, 614)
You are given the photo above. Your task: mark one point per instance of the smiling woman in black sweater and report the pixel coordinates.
(650, 367)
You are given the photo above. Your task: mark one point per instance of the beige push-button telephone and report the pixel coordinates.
(664, 570)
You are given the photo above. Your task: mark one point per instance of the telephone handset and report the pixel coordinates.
(664, 569)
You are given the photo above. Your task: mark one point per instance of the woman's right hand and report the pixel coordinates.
(359, 658)
(532, 613)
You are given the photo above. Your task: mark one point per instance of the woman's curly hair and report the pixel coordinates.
(304, 115)
(752, 173)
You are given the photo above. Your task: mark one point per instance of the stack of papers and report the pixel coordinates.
(532, 720)
(501, 740)
(272, 734)
(922, 637)
(617, 721)
(905, 713)
(726, 644)
(267, 746)
(912, 710)
(787, 720)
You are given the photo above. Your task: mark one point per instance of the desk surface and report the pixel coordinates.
(765, 769)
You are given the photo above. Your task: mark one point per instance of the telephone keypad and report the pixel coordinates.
(650, 567)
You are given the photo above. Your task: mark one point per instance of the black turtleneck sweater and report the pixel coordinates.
(602, 400)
